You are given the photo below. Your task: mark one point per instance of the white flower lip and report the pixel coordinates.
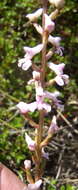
(33, 16)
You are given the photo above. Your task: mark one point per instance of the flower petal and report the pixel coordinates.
(58, 69)
(47, 107)
(23, 107)
(26, 65)
(35, 15)
(30, 52)
(59, 80)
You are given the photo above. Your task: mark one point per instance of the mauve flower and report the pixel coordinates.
(27, 164)
(57, 3)
(55, 41)
(58, 69)
(40, 99)
(24, 107)
(41, 104)
(53, 127)
(30, 52)
(49, 24)
(31, 143)
(62, 79)
(34, 186)
(26, 62)
(35, 15)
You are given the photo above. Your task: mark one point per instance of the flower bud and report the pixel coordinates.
(27, 164)
(31, 144)
(57, 3)
(53, 127)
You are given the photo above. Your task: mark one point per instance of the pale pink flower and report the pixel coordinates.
(58, 69)
(40, 100)
(53, 127)
(49, 24)
(31, 143)
(41, 104)
(57, 3)
(34, 186)
(24, 107)
(55, 41)
(26, 62)
(35, 15)
(62, 79)
(27, 164)
(30, 52)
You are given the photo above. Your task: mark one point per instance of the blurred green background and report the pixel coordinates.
(14, 34)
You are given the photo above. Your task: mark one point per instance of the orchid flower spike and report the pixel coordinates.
(57, 3)
(35, 186)
(31, 144)
(27, 164)
(49, 24)
(53, 127)
(33, 16)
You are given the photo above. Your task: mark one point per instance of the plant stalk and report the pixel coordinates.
(39, 132)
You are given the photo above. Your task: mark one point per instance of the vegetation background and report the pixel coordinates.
(14, 34)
